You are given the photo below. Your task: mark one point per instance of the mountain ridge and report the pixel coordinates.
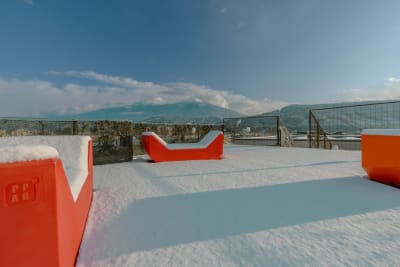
(182, 112)
(294, 117)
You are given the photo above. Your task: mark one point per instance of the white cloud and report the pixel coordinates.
(115, 80)
(393, 80)
(34, 97)
(240, 103)
(241, 24)
(29, 2)
(390, 90)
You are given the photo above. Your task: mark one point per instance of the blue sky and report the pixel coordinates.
(246, 55)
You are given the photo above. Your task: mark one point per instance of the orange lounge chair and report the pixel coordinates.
(44, 199)
(210, 147)
(380, 155)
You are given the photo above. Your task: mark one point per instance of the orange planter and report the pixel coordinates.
(210, 147)
(380, 155)
(40, 223)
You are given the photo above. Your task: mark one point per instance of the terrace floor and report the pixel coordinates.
(259, 206)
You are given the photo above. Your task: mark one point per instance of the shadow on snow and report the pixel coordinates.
(172, 220)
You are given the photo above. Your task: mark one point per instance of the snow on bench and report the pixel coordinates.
(9, 154)
(392, 132)
(72, 150)
(204, 142)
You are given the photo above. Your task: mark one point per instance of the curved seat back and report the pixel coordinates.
(210, 147)
(209, 137)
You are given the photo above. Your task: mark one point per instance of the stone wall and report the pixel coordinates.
(112, 140)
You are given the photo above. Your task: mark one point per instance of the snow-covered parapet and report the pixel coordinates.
(9, 154)
(72, 150)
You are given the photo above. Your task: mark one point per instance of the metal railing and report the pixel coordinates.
(316, 135)
(257, 130)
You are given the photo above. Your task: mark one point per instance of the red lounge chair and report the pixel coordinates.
(44, 203)
(210, 147)
(380, 155)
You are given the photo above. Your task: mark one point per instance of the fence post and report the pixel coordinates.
(278, 132)
(318, 134)
(309, 129)
(131, 139)
(41, 127)
(74, 127)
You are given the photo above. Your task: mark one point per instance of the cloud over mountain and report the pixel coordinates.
(34, 97)
(390, 90)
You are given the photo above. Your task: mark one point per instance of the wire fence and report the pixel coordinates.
(114, 140)
(353, 119)
(256, 130)
(349, 121)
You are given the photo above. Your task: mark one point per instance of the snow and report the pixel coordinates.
(204, 142)
(259, 206)
(344, 138)
(268, 137)
(72, 150)
(155, 136)
(10, 154)
(394, 132)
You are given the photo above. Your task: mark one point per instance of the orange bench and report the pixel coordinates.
(380, 155)
(210, 147)
(44, 203)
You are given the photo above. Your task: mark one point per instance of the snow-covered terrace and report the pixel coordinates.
(259, 206)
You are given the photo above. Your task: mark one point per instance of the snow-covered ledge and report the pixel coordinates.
(394, 132)
(9, 154)
(72, 150)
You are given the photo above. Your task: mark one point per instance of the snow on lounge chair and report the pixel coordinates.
(45, 194)
(380, 155)
(210, 147)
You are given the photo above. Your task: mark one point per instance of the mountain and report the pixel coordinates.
(180, 113)
(294, 117)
